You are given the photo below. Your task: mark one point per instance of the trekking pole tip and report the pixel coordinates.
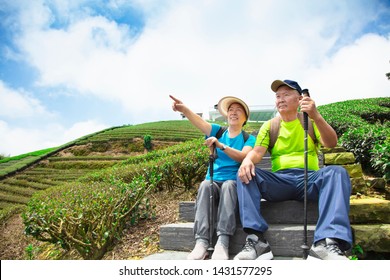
(305, 249)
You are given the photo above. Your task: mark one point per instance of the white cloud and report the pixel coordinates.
(83, 56)
(199, 51)
(19, 104)
(80, 129)
(356, 71)
(20, 140)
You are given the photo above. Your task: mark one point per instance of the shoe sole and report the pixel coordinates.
(266, 256)
(205, 256)
(311, 258)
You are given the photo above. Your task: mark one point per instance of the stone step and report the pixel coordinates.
(362, 211)
(285, 239)
(286, 212)
(285, 233)
(265, 163)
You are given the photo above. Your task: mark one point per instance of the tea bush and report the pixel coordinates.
(380, 160)
(363, 127)
(178, 166)
(361, 141)
(86, 217)
(148, 142)
(90, 215)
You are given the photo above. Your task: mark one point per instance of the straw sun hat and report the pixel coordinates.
(225, 102)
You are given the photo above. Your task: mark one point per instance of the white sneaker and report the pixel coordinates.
(220, 253)
(199, 252)
(255, 250)
(327, 249)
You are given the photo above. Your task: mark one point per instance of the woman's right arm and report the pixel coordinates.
(195, 119)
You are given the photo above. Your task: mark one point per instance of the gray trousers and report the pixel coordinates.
(225, 208)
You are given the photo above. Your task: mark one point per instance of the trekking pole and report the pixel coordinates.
(305, 247)
(212, 157)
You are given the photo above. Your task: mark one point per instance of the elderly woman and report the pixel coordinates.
(232, 145)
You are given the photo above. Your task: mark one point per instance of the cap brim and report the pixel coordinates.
(278, 83)
(225, 102)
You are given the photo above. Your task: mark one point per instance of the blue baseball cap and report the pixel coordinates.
(291, 84)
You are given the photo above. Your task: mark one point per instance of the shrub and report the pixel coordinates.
(361, 141)
(380, 159)
(363, 127)
(178, 166)
(148, 142)
(86, 217)
(90, 215)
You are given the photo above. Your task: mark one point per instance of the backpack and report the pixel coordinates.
(275, 126)
(224, 128)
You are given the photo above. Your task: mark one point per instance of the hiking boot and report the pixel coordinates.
(199, 252)
(326, 249)
(255, 250)
(220, 253)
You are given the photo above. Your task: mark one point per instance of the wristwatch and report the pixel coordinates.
(223, 147)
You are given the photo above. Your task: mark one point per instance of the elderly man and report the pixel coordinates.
(330, 185)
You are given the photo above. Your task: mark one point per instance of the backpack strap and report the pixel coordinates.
(224, 128)
(245, 135)
(273, 132)
(221, 130)
(275, 127)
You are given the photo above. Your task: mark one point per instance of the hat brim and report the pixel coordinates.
(225, 102)
(278, 83)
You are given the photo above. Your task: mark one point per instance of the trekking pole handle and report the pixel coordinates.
(215, 151)
(305, 92)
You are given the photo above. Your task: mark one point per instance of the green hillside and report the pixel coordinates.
(23, 175)
(99, 182)
(365, 119)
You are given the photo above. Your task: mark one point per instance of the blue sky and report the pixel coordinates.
(69, 68)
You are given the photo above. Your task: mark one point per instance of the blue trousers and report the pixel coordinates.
(330, 185)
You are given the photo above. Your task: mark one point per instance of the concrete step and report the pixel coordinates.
(286, 212)
(265, 163)
(285, 239)
(285, 233)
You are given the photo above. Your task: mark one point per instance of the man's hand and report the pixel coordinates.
(309, 106)
(246, 171)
